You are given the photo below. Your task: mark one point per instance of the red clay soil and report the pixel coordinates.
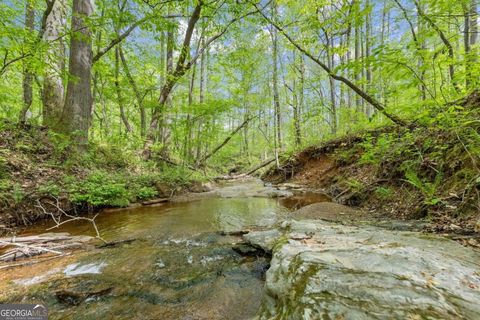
(316, 172)
(349, 182)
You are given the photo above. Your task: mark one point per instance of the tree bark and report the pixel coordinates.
(171, 79)
(221, 145)
(53, 86)
(121, 105)
(368, 69)
(27, 74)
(330, 64)
(276, 96)
(470, 38)
(78, 103)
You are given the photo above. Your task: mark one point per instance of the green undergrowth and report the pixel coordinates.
(39, 166)
(430, 168)
(434, 164)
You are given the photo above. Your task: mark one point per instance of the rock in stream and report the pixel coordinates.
(324, 270)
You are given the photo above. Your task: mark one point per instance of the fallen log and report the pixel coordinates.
(22, 247)
(155, 201)
(42, 238)
(260, 166)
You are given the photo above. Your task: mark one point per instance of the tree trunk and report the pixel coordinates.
(368, 71)
(297, 111)
(370, 99)
(445, 40)
(333, 102)
(470, 38)
(163, 121)
(27, 75)
(276, 97)
(138, 95)
(53, 87)
(357, 57)
(78, 103)
(201, 96)
(221, 145)
(171, 79)
(121, 105)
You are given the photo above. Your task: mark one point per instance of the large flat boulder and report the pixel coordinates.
(324, 270)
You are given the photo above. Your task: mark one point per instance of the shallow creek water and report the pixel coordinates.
(179, 266)
(182, 264)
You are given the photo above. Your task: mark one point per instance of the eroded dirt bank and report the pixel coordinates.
(394, 173)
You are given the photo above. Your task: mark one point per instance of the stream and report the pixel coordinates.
(179, 267)
(182, 265)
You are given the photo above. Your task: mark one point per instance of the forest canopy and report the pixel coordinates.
(219, 80)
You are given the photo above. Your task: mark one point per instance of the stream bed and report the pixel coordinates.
(182, 264)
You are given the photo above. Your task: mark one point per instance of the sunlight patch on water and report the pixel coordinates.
(76, 269)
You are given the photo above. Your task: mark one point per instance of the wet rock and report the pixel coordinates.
(74, 298)
(76, 269)
(199, 187)
(291, 186)
(263, 239)
(85, 290)
(163, 189)
(347, 272)
(116, 243)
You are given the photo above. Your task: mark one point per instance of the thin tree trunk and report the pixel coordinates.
(368, 71)
(136, 90)
(298, 105)
(121, 105)
(301, 102)
(96, 75)
(201, 97)
(171, 80)
(27, 74)
(78, 103)
(276, 97)
(227, 139)
(470, 38)
(357, 57)
(370, 99)
(330, 64)
(446, 42)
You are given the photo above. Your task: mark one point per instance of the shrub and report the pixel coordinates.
(146, 193)
(99, 189)
(50, 188)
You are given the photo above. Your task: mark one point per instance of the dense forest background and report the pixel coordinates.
(184, 75)
(225, 85)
